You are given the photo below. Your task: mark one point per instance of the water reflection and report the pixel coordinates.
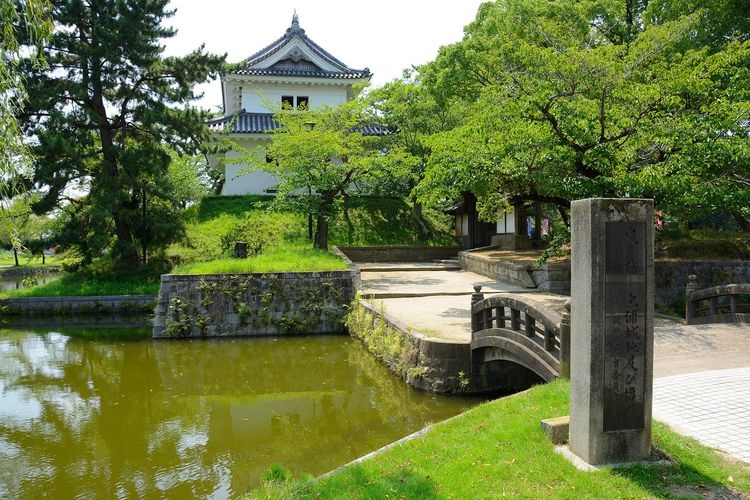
(15, 282)
(191, 418)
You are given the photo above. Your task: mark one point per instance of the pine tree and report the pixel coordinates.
(102, 117)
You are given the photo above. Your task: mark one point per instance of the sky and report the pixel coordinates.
(386, 36)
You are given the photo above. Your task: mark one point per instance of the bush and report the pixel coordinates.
(261, 231)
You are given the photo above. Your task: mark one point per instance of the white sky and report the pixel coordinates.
(385, 36)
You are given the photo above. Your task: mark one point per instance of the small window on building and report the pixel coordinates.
(302, 101)
(287, 102)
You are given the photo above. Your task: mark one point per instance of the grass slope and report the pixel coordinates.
(498, 449)
(83, 284)
(280, 259)
(364, 221)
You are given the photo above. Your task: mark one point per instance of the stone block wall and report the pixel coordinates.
(552, 277)
(58, 306)
(671, 278)
(220, 305)
(501, 270)
(424, 363)
(399, 253)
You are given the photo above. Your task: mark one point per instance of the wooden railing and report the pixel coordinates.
(718, 304)
(545, 327)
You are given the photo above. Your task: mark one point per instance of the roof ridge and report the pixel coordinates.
(296, 30)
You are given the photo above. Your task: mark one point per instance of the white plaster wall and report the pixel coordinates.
(256, 97)
(506, 221)
(464, 225)
(255, 182)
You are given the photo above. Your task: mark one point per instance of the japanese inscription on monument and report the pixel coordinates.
(625, 325)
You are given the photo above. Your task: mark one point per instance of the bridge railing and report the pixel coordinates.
(718, 304)
(543, 325)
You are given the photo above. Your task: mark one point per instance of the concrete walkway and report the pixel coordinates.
(713, 407)
(702, 372)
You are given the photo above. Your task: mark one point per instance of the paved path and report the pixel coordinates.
(702, 372)
(713, 407)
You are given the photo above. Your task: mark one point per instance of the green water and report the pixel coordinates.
(86, 417)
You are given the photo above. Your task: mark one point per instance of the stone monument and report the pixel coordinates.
(612, 325)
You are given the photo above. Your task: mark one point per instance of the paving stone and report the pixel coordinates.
(713, 407)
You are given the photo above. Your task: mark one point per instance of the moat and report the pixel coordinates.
(107, 414)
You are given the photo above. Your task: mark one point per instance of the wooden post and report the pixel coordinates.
(692, 286)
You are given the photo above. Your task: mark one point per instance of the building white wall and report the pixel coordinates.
(506, 221)
(253, 182)
(256, 97)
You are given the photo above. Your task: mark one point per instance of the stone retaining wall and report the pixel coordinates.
(13, 271)
(219, 305)
(399, 253)
(552, 277)
(671, 278)
(424, 363)
(501, 270)
(52, 306)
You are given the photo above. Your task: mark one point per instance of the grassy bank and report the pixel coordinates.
(498, 449)
(217, 221)
(82, 284)
(26, 260)
(293, 258)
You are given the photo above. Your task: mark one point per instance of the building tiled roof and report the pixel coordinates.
(263, 123)
(306, 68)
(244, 123)
(351, 74)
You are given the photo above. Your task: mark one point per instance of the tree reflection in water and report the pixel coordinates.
(123, 418)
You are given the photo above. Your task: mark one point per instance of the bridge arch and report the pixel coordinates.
(520, 330)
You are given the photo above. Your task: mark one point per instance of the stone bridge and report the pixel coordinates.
(521, 330)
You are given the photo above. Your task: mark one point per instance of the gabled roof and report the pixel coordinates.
(263, 123)
(295, 54)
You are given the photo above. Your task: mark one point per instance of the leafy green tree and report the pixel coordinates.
(100, 120)
(22, 230)
(318, 156)
(412, 115)
(191, 177)
(569, 100)
(31, 16)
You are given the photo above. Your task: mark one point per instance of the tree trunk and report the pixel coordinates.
(416, 213)
(563, 215)
(109, 182)
(742, 221)
(321, 233)
(15, 255)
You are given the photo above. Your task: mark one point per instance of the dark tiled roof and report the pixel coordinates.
(245, 123)
(305, 73)
(343, 71)
(374, 130)
(263, 123)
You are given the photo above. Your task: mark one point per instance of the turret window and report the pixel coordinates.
(292, 102)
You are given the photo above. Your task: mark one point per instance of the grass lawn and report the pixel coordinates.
(28, 260)
(280, 259)
(79, 284)
(498, 449)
